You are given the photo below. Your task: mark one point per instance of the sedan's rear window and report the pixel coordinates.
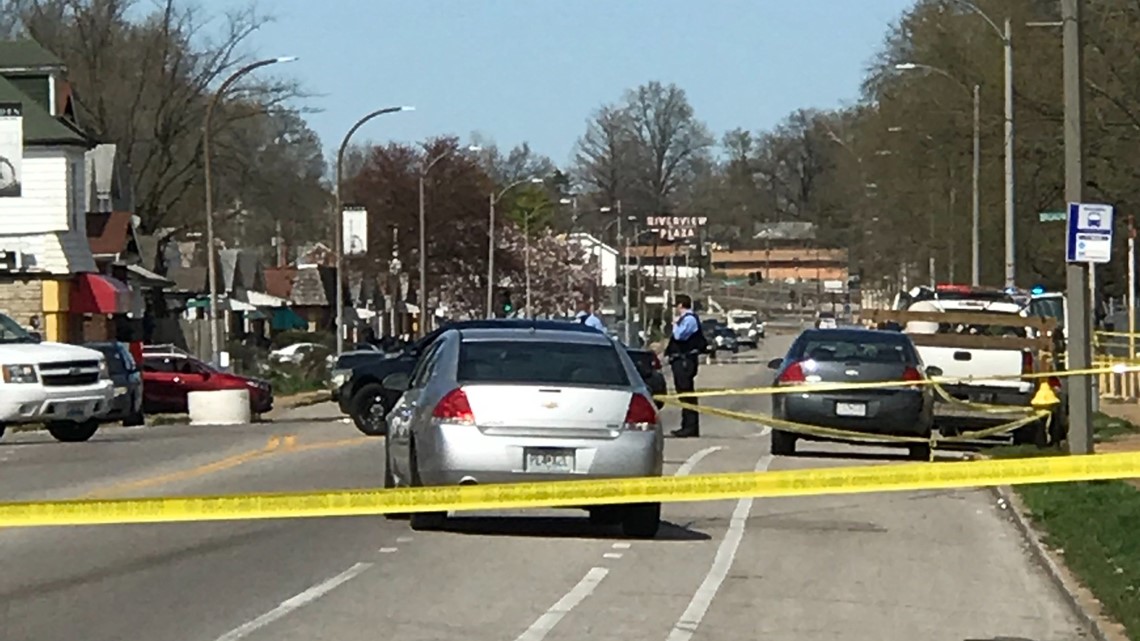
(540, 362)
(860, 350)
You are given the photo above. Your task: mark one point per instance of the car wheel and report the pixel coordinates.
(369, 412)
(73, 432)
(783, 443)
(424, 521)
(642, 520)
(390, 483)
(3, 428)
(607, 515)
(920, 451)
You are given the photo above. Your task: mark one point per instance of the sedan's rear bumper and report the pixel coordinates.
(454, 454)
(896, 413)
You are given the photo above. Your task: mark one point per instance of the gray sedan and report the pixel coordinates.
(854, 356)
(517, 405)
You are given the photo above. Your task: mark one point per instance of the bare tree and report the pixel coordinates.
(671, 144)
(142, 81)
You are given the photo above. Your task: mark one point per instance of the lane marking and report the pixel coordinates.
(403, 539)
(387, 550)
(621, 546)
(226, 463)
(545, 623)
(294, 603)
(612, 555)
(692, 461)
(702, 599)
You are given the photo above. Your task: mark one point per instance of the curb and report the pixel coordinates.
(1057, 575)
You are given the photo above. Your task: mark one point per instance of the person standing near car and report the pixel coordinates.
(683, 351)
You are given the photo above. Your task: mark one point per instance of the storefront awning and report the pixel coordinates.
(99, 294)
(261, 299)
(285, 318)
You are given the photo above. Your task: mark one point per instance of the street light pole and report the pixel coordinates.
(338, 241)
(526, 260)
(211, 260)
(423, 240)
(491, 240)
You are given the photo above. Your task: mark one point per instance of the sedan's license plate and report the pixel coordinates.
(850, 409)
(549, 460)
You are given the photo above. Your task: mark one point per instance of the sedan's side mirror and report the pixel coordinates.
(775, 363)
(934, 371)
(397, 382)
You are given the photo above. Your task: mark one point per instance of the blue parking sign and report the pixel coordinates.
(1089, 237)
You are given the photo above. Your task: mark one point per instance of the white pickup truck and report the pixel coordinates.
(65, 387)
(992, 374)
(747, 325)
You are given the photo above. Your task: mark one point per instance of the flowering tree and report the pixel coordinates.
(560, 273)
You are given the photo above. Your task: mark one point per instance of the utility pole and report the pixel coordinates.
(1131, 298)
(491, 258)
(1079, 323)
(976, 241)
(1010, 220)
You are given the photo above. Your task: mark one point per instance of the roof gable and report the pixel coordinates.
(22, 55)
(40, 127)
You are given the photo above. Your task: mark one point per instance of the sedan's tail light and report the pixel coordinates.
(641, 415)
(912, 374)
(793, 374)
(454, 408)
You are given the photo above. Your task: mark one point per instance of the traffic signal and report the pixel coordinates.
(506, 307)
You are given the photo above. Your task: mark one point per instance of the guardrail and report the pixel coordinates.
(1117, 348)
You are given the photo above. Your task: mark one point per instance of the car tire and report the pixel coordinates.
(642, 520)
(919, 451)
(65, 432)
(783, 443)
(424, 521)
(135, 420)
(3, 428)
(607, 515)
(389, 484)
(369, 418)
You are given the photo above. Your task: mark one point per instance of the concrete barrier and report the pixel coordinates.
(219, 407)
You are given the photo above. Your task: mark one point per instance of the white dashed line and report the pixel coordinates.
(403, 539)
(690, 620)
(387, 550)
(297, 602)
(612, 555)
(545, 623)
(621, 546)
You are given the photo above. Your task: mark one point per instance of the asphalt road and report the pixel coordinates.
(884, 567)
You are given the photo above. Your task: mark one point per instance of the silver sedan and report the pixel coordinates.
(517, 405)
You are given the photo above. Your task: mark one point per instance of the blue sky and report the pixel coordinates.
(534, 70)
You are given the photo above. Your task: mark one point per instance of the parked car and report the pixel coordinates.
(518, 404)
(341, 367)
(826, 320)
(854, 356)
(297, 353)
(725, 338)
(168, 378)
(127, 404)
(362, 394)
(649, 366)
(66, 387)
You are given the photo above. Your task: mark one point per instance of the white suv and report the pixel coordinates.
(66, 387)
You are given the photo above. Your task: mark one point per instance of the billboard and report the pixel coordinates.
(676, 227)
(354, 225)
(11, 149)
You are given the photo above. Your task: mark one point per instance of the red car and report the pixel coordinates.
(167, 378)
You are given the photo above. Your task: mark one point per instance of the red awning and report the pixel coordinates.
(99, 294)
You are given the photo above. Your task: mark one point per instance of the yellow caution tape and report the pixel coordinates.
(831, 480)
(808, 388)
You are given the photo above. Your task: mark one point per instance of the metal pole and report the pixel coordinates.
(1078, 325)
(526, 260)
(423, 263)
(491, 258)
(1131, 290)
(395, 278)
(976, 258)
(1010, 221)
(625, 272)
(338, 240)
(211, 259)
(950, 235)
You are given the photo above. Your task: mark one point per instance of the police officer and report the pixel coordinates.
(587, 317)
(684, 349)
